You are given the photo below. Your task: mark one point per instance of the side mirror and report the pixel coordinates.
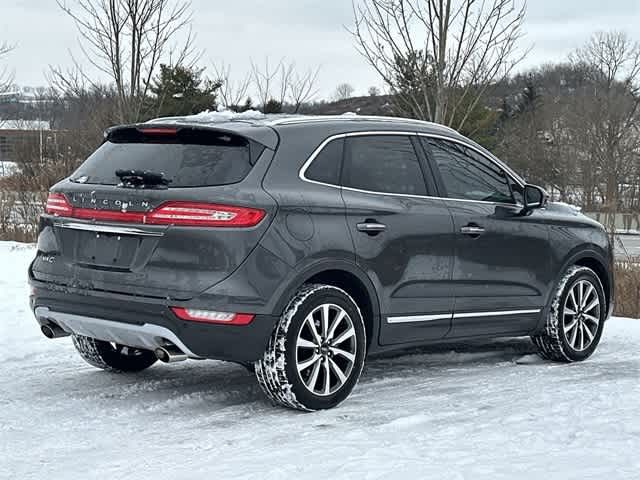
(534, 197)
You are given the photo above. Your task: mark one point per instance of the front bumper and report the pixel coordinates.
(147, 323)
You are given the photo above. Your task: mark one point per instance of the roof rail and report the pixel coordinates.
(353, 117)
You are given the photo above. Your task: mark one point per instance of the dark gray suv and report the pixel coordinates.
(297, 246)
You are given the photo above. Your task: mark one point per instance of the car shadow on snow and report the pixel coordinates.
(208, 391)
(434, 358)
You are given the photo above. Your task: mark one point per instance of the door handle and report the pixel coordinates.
(371, 227)
(472, 230)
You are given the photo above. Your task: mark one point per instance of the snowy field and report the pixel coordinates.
(465, 412)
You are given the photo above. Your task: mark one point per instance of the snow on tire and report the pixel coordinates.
(576, 317)
(316, 352)
(118, 358)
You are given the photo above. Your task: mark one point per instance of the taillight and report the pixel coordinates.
(186, 214)
(57, 204)
(210, 316)
(204, 215)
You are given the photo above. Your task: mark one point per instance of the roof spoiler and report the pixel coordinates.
(263, 135)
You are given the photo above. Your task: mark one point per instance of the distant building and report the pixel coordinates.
(14, 131)
(24, 95)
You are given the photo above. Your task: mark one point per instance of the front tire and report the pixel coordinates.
(113, 358)
(576, 319)
(316, 352)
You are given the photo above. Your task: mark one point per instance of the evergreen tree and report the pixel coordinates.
(179, 90)
(272, 106)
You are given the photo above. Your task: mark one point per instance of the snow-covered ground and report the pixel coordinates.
(465, 412)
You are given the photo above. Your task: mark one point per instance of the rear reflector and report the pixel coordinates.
(210, 316)
(186, 214)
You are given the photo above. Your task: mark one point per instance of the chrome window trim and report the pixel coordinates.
(452, 315)
(316, 152)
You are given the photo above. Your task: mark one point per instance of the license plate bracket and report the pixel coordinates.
(106, 250)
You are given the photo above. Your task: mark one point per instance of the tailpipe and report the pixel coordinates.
(51, 330)
(170, 354)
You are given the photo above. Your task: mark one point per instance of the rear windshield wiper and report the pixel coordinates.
(142, 179)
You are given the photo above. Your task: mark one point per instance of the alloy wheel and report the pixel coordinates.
(581, 315)
(326, 349)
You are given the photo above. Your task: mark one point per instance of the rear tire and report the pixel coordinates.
(576, 318)
(316, 352)
(114, 358)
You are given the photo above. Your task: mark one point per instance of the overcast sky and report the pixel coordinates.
(309, 31)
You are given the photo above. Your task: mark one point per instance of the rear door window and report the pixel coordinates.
(383, 163)
(186, 158)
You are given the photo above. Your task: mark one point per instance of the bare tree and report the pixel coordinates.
(126, 40)
(439, 57)
(301, 87)
(283, 83)
(608, 108)
(343, 91)
(6, 77)
(232, 91)
(265, 79)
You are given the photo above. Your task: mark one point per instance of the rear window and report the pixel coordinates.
(186, 158)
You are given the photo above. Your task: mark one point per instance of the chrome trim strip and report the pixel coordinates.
(148, 336)
(419, 318)
(316, 152)
(93, 227)
(444, 316)
(498, 313)
(428, 197)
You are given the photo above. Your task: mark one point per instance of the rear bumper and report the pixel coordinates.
(147, 323)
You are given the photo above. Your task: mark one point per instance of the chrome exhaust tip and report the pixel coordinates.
(170, 354)
(51, 330)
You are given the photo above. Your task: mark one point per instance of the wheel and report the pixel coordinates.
(113, 357)
(316, 352)
(576, 318)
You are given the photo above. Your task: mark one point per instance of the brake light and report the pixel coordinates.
(158, 131)
(58, 205)
(186, 214)
(204, 215)
(210, 316)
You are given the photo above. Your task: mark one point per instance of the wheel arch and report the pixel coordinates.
(597, 262)
(346, 276)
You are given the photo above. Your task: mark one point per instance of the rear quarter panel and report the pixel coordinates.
(310, 224)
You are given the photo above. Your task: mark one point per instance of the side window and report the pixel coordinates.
(468, 175)
(383, 163)
(325, 167)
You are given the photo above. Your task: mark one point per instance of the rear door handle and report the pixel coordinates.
(472, 230)
(371, 227)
